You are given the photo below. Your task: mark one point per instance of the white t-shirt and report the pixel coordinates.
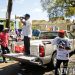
(27, 29)
(62, 54)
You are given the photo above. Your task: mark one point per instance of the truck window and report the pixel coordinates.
(48, 35)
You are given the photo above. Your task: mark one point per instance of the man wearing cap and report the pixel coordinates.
(62, 46)
(4, 37)
(27, 33)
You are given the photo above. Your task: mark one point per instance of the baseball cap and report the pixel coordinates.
(61, 31)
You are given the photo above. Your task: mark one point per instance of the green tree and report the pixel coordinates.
(57, 8)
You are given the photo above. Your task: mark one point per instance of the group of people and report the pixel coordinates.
(62, 43)
(26, 32)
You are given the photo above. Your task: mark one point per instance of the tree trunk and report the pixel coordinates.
(8, 14)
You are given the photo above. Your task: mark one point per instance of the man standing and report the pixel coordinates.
(63, 46)
(4, 37)
(27, 33)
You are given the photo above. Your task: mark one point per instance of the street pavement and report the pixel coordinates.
(14, 68)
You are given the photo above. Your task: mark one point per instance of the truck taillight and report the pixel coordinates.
(41, 51)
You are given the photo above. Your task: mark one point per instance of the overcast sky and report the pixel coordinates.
(21, 7)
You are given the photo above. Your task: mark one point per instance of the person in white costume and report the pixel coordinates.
(63, 46)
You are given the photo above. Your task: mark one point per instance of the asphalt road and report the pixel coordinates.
(14, 68)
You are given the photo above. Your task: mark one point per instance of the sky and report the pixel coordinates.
(21, 7)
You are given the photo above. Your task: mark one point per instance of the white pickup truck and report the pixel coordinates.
(42, 51)
(43, 48)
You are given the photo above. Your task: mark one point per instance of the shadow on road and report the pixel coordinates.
(8, 69)
(17, 69)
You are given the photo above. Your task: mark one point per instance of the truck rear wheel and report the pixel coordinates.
(52, 63)
(53, 60)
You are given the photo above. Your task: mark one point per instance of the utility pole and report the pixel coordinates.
(8, 13)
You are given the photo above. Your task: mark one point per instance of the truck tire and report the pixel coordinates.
(53, 60)
(52, 63)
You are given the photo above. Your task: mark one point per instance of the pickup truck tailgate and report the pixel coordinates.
(22, 58)
(34, 50)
